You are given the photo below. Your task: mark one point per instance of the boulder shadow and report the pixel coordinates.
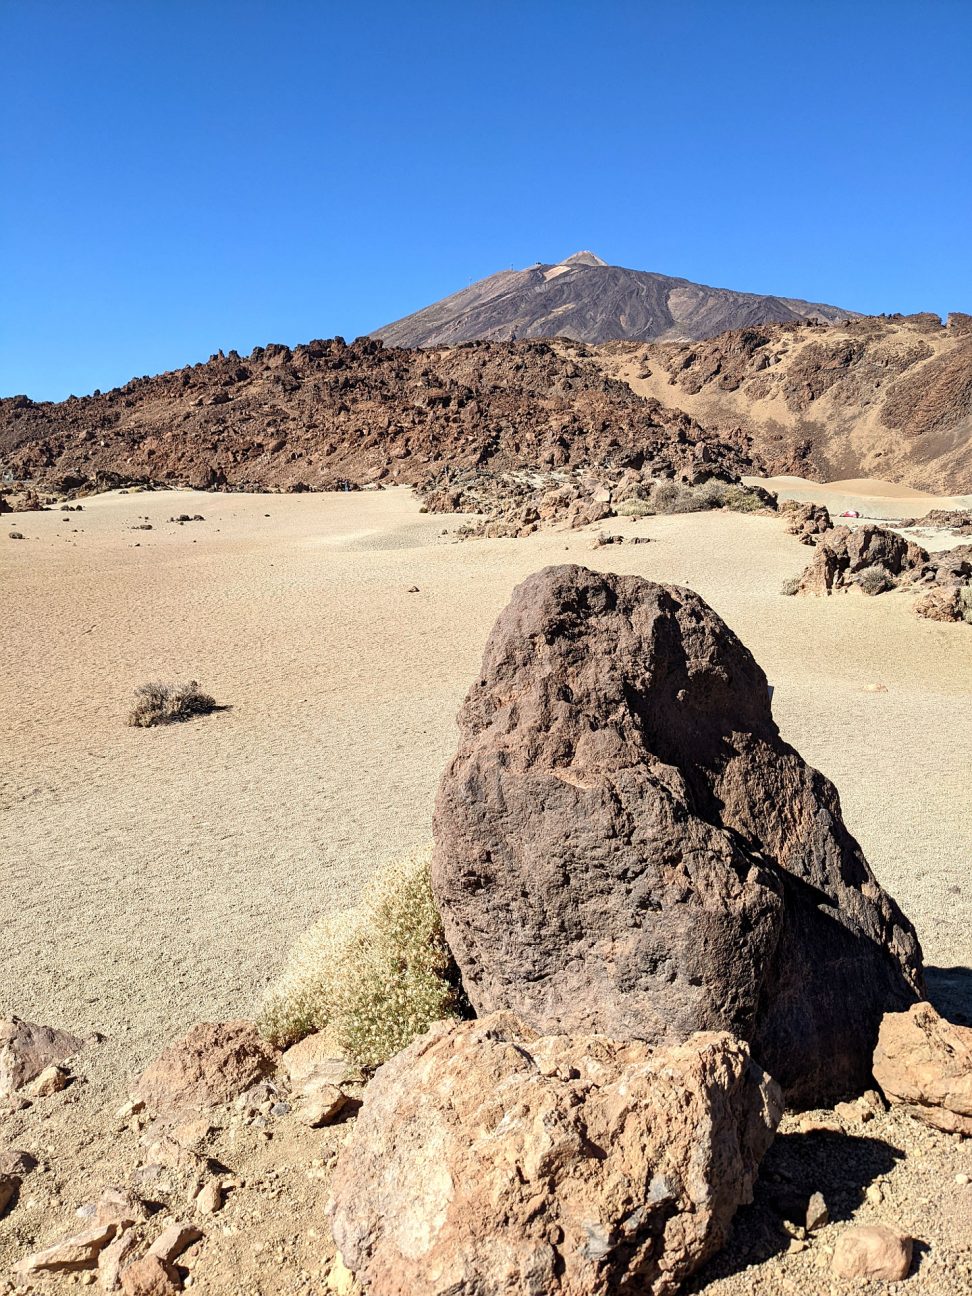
(840, 1166)
(949, 991)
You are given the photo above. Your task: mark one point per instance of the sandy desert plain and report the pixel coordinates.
(154, 878)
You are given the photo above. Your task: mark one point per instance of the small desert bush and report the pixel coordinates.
(873, 580)
(791, 585)
(166, 703)
(375, 977)
(634, 508)
(966, 596)
(676, 497)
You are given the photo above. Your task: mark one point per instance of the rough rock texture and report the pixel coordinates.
(881, 397)
(487, 1161)
(873, 1252)
(625, 845)
(845, 552)
(943, 603)
(925, 1063)
(78, 1251)
(214, 1063)
(806, 520)
(28, 1050)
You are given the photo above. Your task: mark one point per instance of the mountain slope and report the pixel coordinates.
(885, 397)
(585, 299)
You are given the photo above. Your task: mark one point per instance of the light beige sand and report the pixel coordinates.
(155, 877)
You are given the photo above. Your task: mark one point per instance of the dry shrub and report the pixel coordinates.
(873, 580)
(166, 703)
(791, 585)
(966, 596)
(375, 977)
(676, 497)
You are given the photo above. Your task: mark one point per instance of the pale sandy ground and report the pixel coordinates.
(155, 877)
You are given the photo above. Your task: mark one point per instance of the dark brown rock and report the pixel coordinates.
(625, 845)
(488, 1161)
(28, 1050)
(844, 553)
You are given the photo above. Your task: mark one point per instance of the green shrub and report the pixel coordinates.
(166, 703)
(374, 977)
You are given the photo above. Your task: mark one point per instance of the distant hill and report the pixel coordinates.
(588, 300)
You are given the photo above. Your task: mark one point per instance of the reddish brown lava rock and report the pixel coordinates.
(488, 1161)
(625, 845)
(925, 1063)
(214, 1063)
(28, 1050)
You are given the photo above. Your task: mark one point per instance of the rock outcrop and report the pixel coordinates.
(845, 553)
(27, 1050)
(214, 1063)
(625, 845)
(925, 1064)
(805, 520)
(488, 1161)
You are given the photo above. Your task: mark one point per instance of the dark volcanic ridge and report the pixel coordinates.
(879, 397)
(586, 299)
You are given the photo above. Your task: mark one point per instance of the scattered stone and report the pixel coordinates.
(27, 1050)
(209, 1199)
(115, 1206)
(924, 1063)
(150, 1276)
(15, 1162)
(15, 535)
(211, 1065)
(322, 1105)
(340, 1279)
(874, 1193)
(487, 1159)
(817, 1213)
(113, 1258)
(874, 1252)
(78, 1251)
(625, 845)
(314, 1060)
(52, 1080)
(412, 589)
(172, 1241)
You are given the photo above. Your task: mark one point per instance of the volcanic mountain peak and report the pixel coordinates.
(586, 299)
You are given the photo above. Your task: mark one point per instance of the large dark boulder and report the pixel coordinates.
(625, 845)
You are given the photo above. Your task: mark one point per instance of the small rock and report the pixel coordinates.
(115, 1206)
(874, 1194)
(924, 1063)
(209, 1199)
(817, 1213)
(322, 1105)
(872, 1251)
(796, 1245)
(340, 1279)
(79, 1251)
(173, 1240)
(129, 1109)
(150, 1276)
(27, 1050)
(52, 1080)
(112, 1259)
(962, 1180)
(412, 589)
(15, 1162)
(314, 1061)
(280, 1109)
(210, 1065)
(16, 535)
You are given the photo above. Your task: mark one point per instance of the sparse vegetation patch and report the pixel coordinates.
(157, 704)
(376, 977)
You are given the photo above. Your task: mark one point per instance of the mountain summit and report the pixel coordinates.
(586, 299)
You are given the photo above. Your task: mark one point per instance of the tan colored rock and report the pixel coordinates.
(52, 1080)
(874, 1252)
(817, 1213)
(115, 1206)
(172, 1241)
(113, 1258)
(9, 1186)
(340, 1279)
(212, 1064)
(314, 1060)
(487, 1159)
(924, 1063)
(322, 1105)
(209, 1199)
(150, 1276)
(26, 1050)
(78, 1251)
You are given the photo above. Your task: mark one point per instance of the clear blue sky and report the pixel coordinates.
(180, 177)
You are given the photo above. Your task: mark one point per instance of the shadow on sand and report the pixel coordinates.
(950, 993)
(797, 1165)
